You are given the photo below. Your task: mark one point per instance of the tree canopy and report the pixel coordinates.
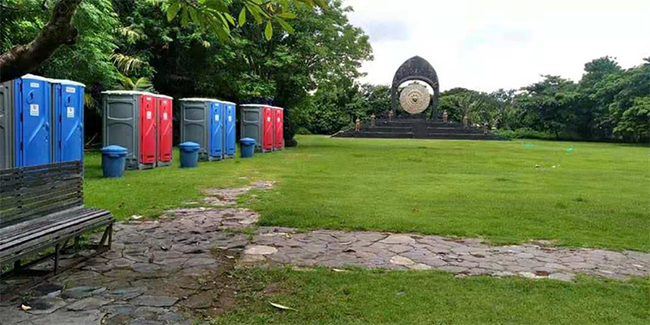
(303, 55)
(240, 50)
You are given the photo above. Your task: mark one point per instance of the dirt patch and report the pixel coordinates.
(228, 196)
(218, 289)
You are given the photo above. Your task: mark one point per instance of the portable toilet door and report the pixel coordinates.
(230, 138)
(267, 137)
(216, 131)
(252, 123)
(32, 121)
(68, 106)
(6, 125)
(195, 123)
(148, 129)
(278, 119)
(165, 131)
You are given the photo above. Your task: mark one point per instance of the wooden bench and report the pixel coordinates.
(42, 207)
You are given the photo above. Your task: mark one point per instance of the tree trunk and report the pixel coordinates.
(22, 59)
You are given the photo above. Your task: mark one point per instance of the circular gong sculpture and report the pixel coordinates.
(415, 68)
(415, 98)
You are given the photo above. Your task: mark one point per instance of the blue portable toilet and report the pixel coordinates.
(216, 136)
(229, 129)
(32, 101)
(67, 120)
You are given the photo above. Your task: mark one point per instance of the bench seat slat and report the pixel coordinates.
(27, 227)
(49, 240)
(62, 227)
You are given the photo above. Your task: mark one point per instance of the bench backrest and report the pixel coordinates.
(31, 192)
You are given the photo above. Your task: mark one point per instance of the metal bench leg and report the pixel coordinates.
(56, 258)
(76, 243)
(110, 236)
(17, 265)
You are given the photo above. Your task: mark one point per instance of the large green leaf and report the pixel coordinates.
(268, 31)
(242, 17)
(288, 15)
(285, 25)
(172, 11)
(229, 18)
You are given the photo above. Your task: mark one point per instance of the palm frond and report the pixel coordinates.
(126, 63)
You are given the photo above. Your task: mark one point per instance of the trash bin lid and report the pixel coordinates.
(189, 146)
(114, 150)
(248, 141)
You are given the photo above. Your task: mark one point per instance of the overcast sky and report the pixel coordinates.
(486, 45)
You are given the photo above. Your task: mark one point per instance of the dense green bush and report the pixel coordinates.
(303, 131)
(525, 133)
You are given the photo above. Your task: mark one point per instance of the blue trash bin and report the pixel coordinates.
(247, 147)
(189, 154)
(113, 160)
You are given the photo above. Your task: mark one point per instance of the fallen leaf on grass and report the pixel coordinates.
(281, 306)
(339, 270)
(25, 307)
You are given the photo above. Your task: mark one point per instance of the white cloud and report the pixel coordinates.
(486, 45)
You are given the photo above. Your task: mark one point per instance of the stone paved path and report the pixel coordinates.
(339, 249)
(158, 269)
(151, 276)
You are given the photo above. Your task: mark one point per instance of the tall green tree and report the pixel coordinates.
(324, 49)
(209, 15)
(628, 108)
(550, 104)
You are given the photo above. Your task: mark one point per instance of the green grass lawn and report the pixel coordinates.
(597, 196)
(428, 297)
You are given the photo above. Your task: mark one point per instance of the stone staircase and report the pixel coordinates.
(417, 129)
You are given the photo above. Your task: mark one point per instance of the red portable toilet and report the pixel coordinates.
(278, 126)
(130, 122)
(164, 106)
(257, 123)
(267, 140)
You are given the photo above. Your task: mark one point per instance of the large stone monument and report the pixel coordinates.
(416, 102)
(415, 98)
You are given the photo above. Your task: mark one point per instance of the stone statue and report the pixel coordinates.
(444, 116)
(465, 121)
(391, 113)
(372, 119)
(357, 125)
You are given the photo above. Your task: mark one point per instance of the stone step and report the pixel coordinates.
(417, 122)
(388, 128)
(454, 130)
(464, 136)
(387, 135)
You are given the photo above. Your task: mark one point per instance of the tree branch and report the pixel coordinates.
(22, 59)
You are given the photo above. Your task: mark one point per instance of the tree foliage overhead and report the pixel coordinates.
(238, 50)
(300, 54)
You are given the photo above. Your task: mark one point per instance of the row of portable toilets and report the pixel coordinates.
(141, 123)
(41, 121)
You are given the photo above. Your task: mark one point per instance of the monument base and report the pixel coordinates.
(418, 129)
